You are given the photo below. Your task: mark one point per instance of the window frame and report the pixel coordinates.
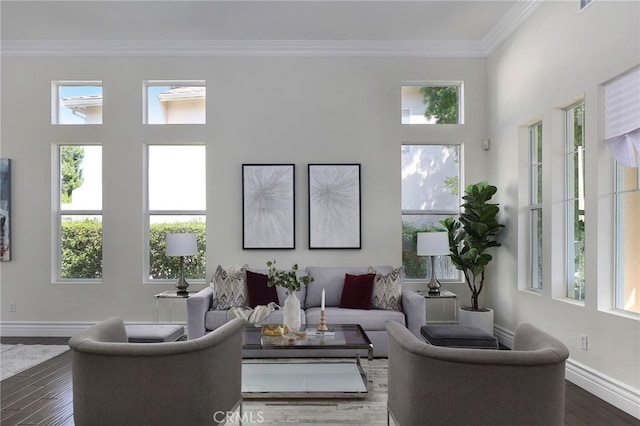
(56, 100)
(443, 213)
(570, 198)
(535, 207)
(434, 83)
(146, 84)
(59, 213)
(148, 213)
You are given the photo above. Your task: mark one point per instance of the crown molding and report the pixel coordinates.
(353, 48)
(303, 48)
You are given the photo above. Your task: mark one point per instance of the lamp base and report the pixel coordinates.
(182, 286)
(433, 285)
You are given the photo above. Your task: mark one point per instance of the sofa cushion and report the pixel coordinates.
(229, 287)
(282, 292)
(373, 320)
(332, 280)
(387, 289)
(357, 291)
(258, 291)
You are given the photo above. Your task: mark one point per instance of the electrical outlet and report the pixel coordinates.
(584, 343)
(12, 306)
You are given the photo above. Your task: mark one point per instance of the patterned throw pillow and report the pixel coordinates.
(229, 287)
(387, 290)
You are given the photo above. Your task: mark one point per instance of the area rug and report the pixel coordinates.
(18, 358)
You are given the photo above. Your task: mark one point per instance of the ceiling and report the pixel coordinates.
(436, 24)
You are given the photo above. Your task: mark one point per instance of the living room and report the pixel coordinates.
(273, 101)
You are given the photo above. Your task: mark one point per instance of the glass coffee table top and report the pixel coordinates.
(342, 336)
(293, 377)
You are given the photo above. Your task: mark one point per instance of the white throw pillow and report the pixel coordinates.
(387, 290)
(229, 287)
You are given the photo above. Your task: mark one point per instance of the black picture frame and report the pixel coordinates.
(268, 206)
(335, 212)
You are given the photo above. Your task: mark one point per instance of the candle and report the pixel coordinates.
(322, 306)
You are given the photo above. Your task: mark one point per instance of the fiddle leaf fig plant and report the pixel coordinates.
(473, 234)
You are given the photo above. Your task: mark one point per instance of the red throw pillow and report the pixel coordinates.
(258, 291)
(357, 291)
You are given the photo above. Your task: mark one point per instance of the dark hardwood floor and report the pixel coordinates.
(42, 395)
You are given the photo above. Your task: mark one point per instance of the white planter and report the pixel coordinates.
(292, 312)
(480, 319)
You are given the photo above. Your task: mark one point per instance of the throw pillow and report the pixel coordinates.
(258, 290)
(357, 291)
(229, 287)
(387, 290)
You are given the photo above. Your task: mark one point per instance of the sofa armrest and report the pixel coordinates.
(197, 307)
(415, 311)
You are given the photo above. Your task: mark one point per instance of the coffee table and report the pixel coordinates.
(296, 377)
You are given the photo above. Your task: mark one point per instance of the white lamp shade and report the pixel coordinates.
(181, 245)
(433, 244)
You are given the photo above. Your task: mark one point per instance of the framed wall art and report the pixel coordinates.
(334, 206)
(5, 209)
(268, 219)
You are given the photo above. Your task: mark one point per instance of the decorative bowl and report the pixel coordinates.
(274, 330)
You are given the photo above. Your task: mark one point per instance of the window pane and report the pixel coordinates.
(536, 249)
(78, 104)
(81, 247)
(80, 177)
(436, 104)
(430, 177)
(162, 266)
(176, 104)
(417, 267)
(177, 177)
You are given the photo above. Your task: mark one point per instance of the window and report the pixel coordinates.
(77, 102)
(622, 135)
(175, 102)
(535, 204)
(79, 218)
(432, 103)
(430, 193)
(574, 201)
(176, 184)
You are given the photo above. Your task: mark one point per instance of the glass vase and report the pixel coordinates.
(292, 312)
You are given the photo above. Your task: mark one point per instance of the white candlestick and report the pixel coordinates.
(322, 306)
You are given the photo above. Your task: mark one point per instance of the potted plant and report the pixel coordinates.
(291, 282)
(470, 237)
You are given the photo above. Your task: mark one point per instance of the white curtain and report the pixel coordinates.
(622, 133)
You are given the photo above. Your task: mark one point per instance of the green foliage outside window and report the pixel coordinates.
(82, 250)
(163, 267)
(70, 160)
(414, 266)
(442, 103)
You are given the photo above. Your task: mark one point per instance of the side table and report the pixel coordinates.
(171, 295)
(444, 298)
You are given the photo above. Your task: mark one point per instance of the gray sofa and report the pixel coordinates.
(460, 386)
(202, 319)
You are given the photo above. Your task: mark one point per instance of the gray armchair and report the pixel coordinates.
(452, 386)
(194, 382)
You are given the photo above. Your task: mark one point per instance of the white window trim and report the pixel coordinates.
(151, 83)
(534, 207)
(56, 220)
(55, 97)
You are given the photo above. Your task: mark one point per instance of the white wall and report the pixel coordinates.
(556, 56)
(260, 110)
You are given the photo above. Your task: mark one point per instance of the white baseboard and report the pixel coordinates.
(616, 393)
(50, 329)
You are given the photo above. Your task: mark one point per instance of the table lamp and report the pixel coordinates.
(433, 244)
(182, 245)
